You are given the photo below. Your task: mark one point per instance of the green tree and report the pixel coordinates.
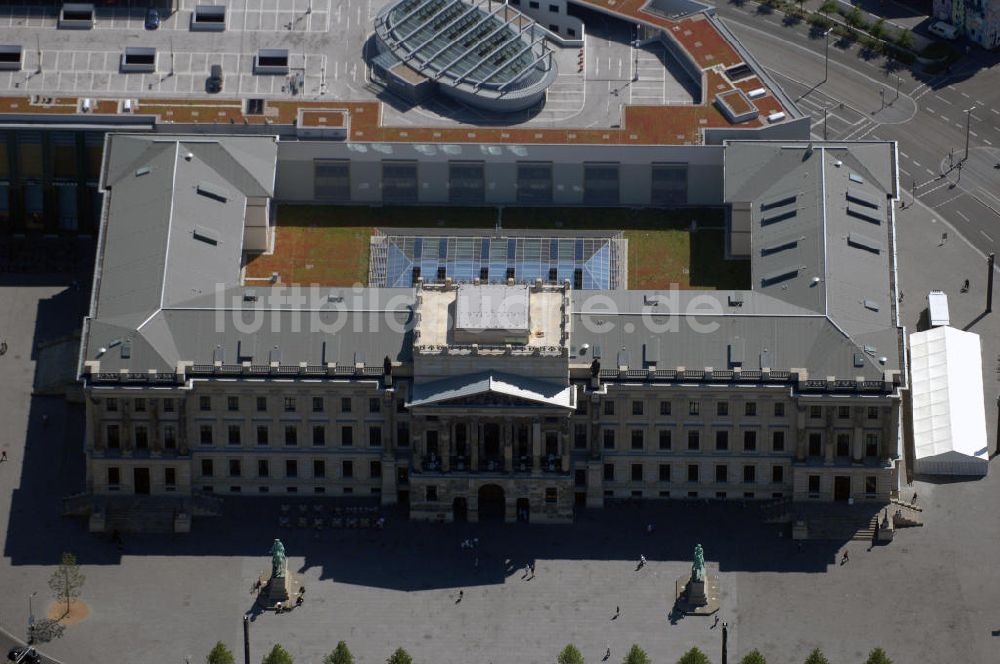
(399, 657)
(854, 18)
(636, 655)
(66, 581)
(220, 655)
(828, 7)
(570, 655)
(340, 655)
(694, 656)
(905, 40)
(753, 657)
(878, 29)
(816, 657)
(278, 655)
(878, 656)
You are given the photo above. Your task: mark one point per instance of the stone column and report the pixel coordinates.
(564, 450)
(888, 441)
(155, 440)
(126, 426)
(444, 444)
(536, 447)
(474, 429)
(96, 441)
(801, 436)
(508, 446)
(595, 483)
(182, 427)
(388, 478)
(858, 440)
(418, 450)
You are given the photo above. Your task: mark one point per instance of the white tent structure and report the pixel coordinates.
(949, 414)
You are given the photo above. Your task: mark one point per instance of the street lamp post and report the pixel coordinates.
(826, 65)
(991, 266)
(725, 642)
(31, 618)
(246, 638)
(968, 128)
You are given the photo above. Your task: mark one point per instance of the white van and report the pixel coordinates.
(937, 308)
(943, 30)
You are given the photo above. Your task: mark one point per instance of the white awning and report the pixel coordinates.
(949, 414)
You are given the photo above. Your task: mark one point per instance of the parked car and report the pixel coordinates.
(214, 79)
(152, 19)
(26, 655)
(943, 30)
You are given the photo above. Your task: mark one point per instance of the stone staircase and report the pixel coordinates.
(141, 514)
(837, 521)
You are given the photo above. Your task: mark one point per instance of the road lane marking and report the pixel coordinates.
(995, 111)
(974, 133)
(905, 156)
(966, 96)
(930, 171)
(961, 214)
(986, 140)
(940, 98)
(917, 164)
(985, 235)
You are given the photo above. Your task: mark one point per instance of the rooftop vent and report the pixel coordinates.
(781, 202)
(250, 296)
(863, 213)
(859, 360)
(779, 276)
(205, 235)
(775, 218)
(145, 170)
(736, 299)
(215, 192)
(775, 248)
(126, 350)
(218, 354)
(864, 242)
(871, 305)
(862, 199)
(854, 177)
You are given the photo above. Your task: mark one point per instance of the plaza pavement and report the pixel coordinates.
(929, 596)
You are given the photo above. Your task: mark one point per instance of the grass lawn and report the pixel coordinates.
(329, 245)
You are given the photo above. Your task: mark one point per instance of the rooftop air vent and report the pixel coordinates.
(213, 191)
(145, 170)
(205, 235)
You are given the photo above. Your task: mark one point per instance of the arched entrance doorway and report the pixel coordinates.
(523, 510)
(460, 510)
(492, 505)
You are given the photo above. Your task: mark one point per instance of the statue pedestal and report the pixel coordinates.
(277, 590)
(697, 598)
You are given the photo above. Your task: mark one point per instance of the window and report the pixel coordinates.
(532, 4)
(206, 434)
(206, 468)
(114, 437)
(332, 179)
(554, 9)
(432, 494)
(779, 410)
(402, 434)
(843, 444)
(815, 412)
(572, 33)
(664, 408)
(347, 436)
(169, 437)
(262, 437)
(466, 182)
(375, 469)
(872, 412)
(692, 472)
(609, 439)
(637, 407)
(581, 407)
(319, 435)
(609, 407)
(291, 434)
(114, 476)
(234, 434)
(664, 472)
(722, 473)
(141, 437)
(778, 441)
(749, 495)
(347, 469)
(319, 468)
(400, 181)
(170, 477)
(289, 404)
(234, 468)
(694, 407)
(668, 185)
(609, 472)
(814, 486)
(262, 468)
(871, 443)
(749, 474)
(636, 472)
(871, 486)
(374, 405)
(580, 437)
(777, 474)
(721, 440)
(261, 404)
(694, 440)
(112, 405)
(721, 495)
(168, 405)
(317, 404)
(637, 439)
(345, 404)
(204, 403)
(750, 409)
(375, 436)
(749, 441)
(815, 444)
(140, 405)
(291, 468)
(551, 495)
(843, 412)
(232, 403)
(665, 439)
(722, 408)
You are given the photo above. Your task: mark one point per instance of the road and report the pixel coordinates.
(872, 98)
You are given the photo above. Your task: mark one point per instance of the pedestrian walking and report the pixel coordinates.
(649, 529)
(844, 558)
(461, 596)
(912, 502)
(944, 238)
(965, 286)
(3, 456)
(900, 297)
(642, 562)
(45, 421)
(618, 612)
(475, 565)
(531, 566)
(607, 655)
(3, 347)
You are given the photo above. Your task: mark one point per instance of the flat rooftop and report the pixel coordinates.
(618, 94)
